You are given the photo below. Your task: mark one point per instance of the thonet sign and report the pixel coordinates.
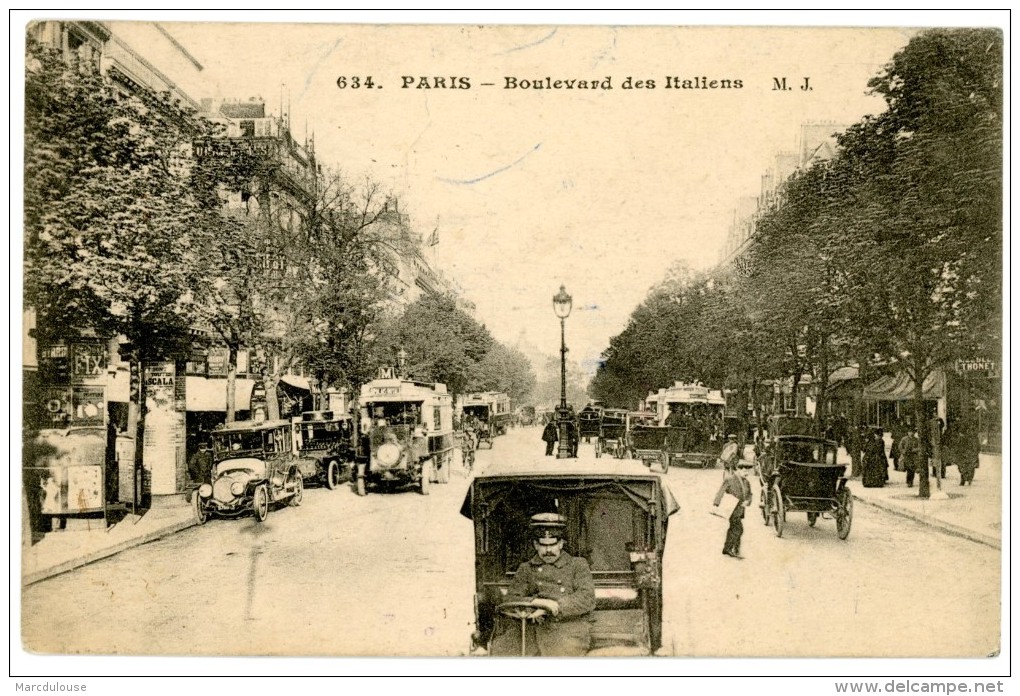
(977, 365)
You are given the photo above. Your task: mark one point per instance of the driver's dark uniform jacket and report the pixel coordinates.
(569, 582)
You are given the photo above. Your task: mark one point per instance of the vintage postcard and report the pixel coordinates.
(444, 340)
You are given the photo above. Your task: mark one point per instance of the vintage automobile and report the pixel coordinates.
(694, 414)
(408, 435)
(647, 443)
(799, 473)
(612, 434)
(325, 445)
(617, 515)
(526, 416)
(589, 422)
(489, 412)
(254, 467)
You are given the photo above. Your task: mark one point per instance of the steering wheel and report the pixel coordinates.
(522, 610)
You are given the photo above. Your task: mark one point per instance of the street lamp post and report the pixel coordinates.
(561, 305)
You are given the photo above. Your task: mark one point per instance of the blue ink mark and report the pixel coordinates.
(492, 173)
(521, 48)
(315, 67)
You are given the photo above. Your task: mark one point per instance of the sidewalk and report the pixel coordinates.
(973, 511)
(59, 552)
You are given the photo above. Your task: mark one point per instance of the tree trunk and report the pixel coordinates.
(924, 484)
(140, 409)
(741, 406)
(231, 382)
(269, 382)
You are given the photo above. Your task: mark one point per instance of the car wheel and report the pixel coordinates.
(333, 474)
(260, 503)
(299, 490)
(426, 477)
(201, 514)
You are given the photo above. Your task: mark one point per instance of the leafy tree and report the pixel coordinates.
(933, 206)
(117, 216)
(504, 369)
(443, 342)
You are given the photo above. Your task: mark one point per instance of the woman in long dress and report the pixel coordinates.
(876, 466)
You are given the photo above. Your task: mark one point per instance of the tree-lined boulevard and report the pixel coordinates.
(393, 574)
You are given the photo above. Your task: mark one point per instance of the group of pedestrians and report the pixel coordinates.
(913, 448)
(551, 435)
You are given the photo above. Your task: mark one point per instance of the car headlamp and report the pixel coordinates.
(205, 490)
(237, 488)
(388, 454)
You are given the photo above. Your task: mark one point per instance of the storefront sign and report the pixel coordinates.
(88, 361)
(977, 365)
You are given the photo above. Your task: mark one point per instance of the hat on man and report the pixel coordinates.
(731, 436)
(548, 527)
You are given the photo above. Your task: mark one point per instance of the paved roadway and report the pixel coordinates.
(392, 574)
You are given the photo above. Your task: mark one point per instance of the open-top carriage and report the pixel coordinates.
(799, 473)
(648, 443)
(612, 434)
(616, 515)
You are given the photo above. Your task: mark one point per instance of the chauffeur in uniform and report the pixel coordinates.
(561, 588)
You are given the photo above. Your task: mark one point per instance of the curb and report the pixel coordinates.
(47, 573)
(945, 527)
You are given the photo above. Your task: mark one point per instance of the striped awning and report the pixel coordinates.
(900, 387)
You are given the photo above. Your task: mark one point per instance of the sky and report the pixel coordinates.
(598, 190)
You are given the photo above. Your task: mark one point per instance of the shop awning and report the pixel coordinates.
(206, 394)
(900, 387)
(295, 381)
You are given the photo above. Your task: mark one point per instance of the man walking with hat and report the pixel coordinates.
(561, 589)
(735, 483)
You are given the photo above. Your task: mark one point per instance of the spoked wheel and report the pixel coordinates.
(299, 490)
(260, 503)
(201, 514)
(844, 514)
(333, 475)
(766, 505)
(780, 510)
(812, 517)
(426, 478)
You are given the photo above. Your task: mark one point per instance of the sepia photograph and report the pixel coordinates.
(494, 338)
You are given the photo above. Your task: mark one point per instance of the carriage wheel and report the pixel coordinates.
(780, 510)
(812, 517)
(766, 505)
(844, 513)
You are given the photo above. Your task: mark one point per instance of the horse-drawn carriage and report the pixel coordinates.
(799, 473)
